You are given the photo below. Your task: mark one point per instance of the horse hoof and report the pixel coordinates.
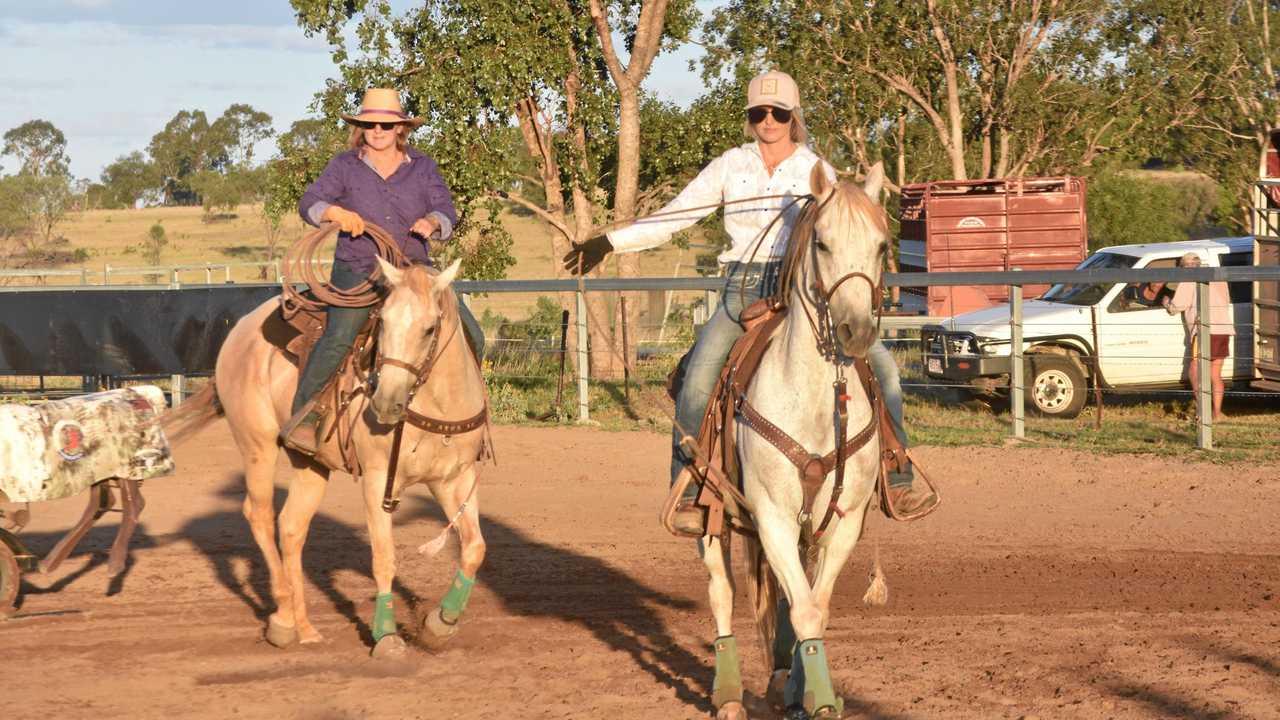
(390, 647)
(279, 634)
(436, 633)
(774, 694)
(731, 711)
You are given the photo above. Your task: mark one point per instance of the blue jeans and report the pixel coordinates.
(340, 332)
(716, 339)
(712, 347)
(886, 371)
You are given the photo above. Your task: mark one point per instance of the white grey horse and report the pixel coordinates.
(793, 388)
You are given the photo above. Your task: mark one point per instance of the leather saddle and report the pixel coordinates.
(295, 331)
(716, 464)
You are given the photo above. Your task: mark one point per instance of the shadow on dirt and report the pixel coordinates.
(1168, 705)
(332, 547)
(535, 579)
(96, 544)
(528, 577)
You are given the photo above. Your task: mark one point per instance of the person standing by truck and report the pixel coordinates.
(1221, 328)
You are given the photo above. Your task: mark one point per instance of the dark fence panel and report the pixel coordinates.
(118, 332)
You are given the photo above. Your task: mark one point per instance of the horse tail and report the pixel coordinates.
(192, 415)
(878, 591)
(763, 592)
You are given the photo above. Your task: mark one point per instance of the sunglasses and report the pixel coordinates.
(756, 114)
(365, 125)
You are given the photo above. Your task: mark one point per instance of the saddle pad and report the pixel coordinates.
(61, 448)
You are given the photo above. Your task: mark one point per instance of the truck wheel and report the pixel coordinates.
(1056, 386)
(10, 578)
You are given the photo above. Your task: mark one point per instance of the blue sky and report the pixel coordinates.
(110, 73)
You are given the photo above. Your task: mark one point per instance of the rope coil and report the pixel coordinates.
(300, 268)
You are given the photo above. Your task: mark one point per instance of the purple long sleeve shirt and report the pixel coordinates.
(414, 191)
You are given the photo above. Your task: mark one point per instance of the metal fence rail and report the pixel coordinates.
(709, 287)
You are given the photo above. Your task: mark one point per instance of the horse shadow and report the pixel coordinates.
(96, 543)
(333, 547)
(546, 581)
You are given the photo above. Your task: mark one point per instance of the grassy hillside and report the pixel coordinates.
(115, 237)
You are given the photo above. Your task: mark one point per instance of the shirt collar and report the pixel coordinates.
(801, 150)
(408, 157)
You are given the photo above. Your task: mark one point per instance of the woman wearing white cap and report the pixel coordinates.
(776, 163)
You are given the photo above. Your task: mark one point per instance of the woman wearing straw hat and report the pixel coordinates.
(384, 180)
(776, 162)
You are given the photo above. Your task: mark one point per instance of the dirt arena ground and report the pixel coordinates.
(1051, 584)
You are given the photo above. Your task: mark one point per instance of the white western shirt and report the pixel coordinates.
(737, 174)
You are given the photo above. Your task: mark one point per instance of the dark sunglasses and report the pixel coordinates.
(756, 114)
(365, 125)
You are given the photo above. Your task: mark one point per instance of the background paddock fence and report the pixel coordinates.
(526, 350)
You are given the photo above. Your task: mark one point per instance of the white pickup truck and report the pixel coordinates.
(1140, 345)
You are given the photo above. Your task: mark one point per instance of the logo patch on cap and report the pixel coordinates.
(769, 86)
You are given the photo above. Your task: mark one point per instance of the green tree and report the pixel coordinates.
(237, 131)
(971, 88)
(128, 180)
(301, 154)
(154, 244)
(474, 68)
(40, 148)
(39, 195)
(1218, 65)
(179, 151)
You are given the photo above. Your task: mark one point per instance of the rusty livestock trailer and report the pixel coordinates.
(1266, 252)
(1033, 223)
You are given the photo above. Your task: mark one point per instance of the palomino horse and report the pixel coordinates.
(255, 383)
(833, 274)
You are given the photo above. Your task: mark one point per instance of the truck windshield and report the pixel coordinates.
(1088, 294)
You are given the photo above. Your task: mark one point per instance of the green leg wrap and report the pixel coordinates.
(784, 637)
(384, 617)
(455, 601)
(728, 683)
(818, 690)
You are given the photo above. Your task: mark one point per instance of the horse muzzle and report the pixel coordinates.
(388, 412)
(855, 341)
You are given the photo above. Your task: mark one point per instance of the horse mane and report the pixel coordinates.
(861, 211)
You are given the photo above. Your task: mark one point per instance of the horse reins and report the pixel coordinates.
(813, 468)
(805, 462)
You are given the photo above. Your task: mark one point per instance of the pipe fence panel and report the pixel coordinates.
(108, 328)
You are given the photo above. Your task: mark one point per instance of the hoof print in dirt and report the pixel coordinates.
(390, 647)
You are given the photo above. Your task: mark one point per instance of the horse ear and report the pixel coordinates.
(874, 182)
(819, 185)
(391, 273)
(447, 276)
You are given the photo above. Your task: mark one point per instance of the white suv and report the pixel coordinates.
(1140, 345)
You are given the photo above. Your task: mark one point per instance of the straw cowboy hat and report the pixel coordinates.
(382, 105)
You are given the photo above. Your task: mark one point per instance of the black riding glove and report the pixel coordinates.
(585, 256)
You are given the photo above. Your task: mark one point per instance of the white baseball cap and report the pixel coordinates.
(774, 88)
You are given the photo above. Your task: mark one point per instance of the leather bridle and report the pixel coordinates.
(421, 373)
(813, 468)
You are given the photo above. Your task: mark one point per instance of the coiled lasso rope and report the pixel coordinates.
(300, 267)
